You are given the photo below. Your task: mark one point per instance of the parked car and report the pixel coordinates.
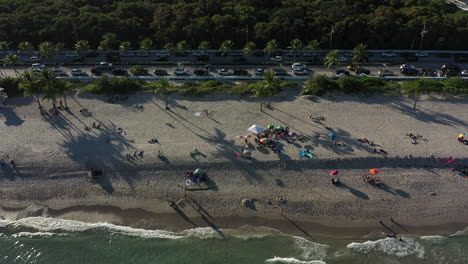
(96, 72)
(388, 53)
(92, 54)
(225, 72)
(104, 65)
(280, 71)
(406, 69)
(298, 66)
(237, 53)
(258, 53)
(241, 72)
(34, 59)
(342, 73)
(37, 67)
(429, 72)
(464, 73)
(78, 72)
(277, 59)
(421, 54)
(59, 72)
(300, 71)
(200, 72)
(384, 72)
(119, 72)
(259, 71)
(359, 71)
(160, 72)
(450, 70)
(180, 71)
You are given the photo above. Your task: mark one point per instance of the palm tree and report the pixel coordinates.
(62, 88)
(182, 46)
(270, 84)
(124, 46)
(295, 45)
(271, 46)
(47, 49)
(146, 44)
(81, 45)
(12, 60)
(249, 48)
(414, 88)
(226, 47)
(48, 83)
(161, 87)
(313, 45)
(359, 54)
(29, 84)
(260, 91)
(25, 46)
(170, 47)
(109, 41)
(331, 60)
(59, 47)
(4, 46)
(204, 45)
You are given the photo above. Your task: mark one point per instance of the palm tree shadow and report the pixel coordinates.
(11, 118)
(355, 192)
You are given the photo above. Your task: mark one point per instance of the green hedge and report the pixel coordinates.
(106, 85)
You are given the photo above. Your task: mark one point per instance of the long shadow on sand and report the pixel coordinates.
(355, 192)
(10, 117)
(296, 225)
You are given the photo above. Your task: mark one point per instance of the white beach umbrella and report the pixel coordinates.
(256, 129)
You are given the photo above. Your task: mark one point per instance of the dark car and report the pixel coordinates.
(258, 53)
(200, 72)
(119, 72)
(362, 70)
(240, 72)
(160, 72)
(280, 71)
(450, 70)
(92, 54)
(408, 70)
(96, 71)
(259, 71)
(344, 72)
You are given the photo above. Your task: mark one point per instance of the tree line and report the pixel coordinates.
(205, 24)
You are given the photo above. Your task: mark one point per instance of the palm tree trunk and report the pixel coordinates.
(167, 107)
(54, 105)
(16, 72)
(65, 100)
(415, 101)
(261, 105)
(269, 97)
(38, 100)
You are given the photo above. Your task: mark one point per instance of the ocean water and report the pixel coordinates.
(46, 240)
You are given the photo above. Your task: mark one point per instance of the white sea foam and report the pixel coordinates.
(309, 249)
(201, 233)
(292, 261)
(391, 246)
(43, 224)
(438, 240)
(35, 234)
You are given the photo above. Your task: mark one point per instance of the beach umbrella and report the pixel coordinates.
(280, 128)
(199, 172)
(333, 172)
(271, 126)
(256, 129)
(462, 135)
(331, 136)
(374, 171)
(292, 134)
(265, 140)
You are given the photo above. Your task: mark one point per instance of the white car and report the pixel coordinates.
(225, 72)
(464, 73)
(34, 59)
(104, 65)
(78, 72)
(163, 53)
(421, 54)
(388, 53)
(277, 59)
(37, 66)
(180, 71)
(300, 71)
(298, 66)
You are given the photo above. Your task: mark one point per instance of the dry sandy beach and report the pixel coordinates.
(53, 155)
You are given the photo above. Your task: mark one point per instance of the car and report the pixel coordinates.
(384, 72)
(449, 70)
(309, 54)
(277, 59)
(258, 53)
(259, 71)
(37, 66)
(280, 71)
(421, 54)
(342, 73)
(200, 72)
(119, 72)
(180, 71)
(96, 71)
(160, 72)
(92, 54)
(403, 66)
(388, 53)
(241, 72)
(298, 66)
(163, 53)
(59, 72)
(408, 70)
(225, 72)
(300, 71)
(429, 72)
(464, 73)
(78, 72)
(237, 53)
(34, 59)
(104, 65)
(359, 71)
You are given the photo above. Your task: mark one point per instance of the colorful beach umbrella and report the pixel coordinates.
(280, 128)
(292, 134)
(331, 136)
(462, 135)
(374, 171)
(271, 126)
(333, 172)
(265, 140)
